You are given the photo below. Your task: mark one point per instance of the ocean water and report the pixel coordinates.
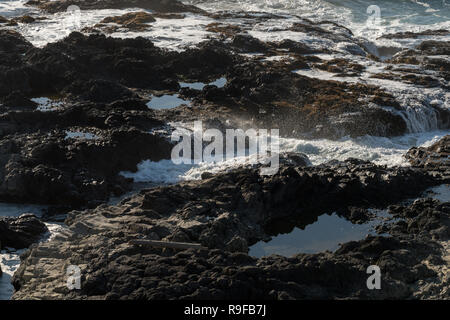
(10, 257)
(331, 230)
(395, 15)
(360, 16)
(324, 234)
(167, 101)
(12, 8)
(367, 20)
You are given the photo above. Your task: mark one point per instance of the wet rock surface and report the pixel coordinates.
(21, 232)
(70, 155)
(102, 85)
(259, 92)
(229, 212)
(42, 163)
(430, 55)
(133, 21)
(435, 158)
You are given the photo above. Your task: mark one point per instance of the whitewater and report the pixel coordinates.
(395, 16)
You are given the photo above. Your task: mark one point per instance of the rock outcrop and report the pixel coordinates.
(229, 212)
(435, 158)
(21, 232)
(261, 94)
(69, 154)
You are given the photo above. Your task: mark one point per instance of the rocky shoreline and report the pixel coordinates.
(69, 155)
(229, 212)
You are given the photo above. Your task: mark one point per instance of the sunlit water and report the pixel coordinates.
(324, 234)
(380, 150)
(329, 231)
(395, 15)
(10, 257)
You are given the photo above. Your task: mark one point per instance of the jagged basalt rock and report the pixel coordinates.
(229, 212)
(415, 35)
(269, 97)
(343, 67)
(71, 157)
(435, 158)
(42, 163)
(424, 218)
(21, 232)
(135, 63)
(133, 21)
(261, 93)
(429, 55)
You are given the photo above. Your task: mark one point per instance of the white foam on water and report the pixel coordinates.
(10, 261)
(380, 150)
(415, 100)
(164, 171)
(59, 25)
(175, 34)
(395, 16)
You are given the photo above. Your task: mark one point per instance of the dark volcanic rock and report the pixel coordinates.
(428, 55)
(99, 91)
(13, 42)
(231, 211)
(247, 43)
(129, 62)
(52, 169)
(415, 35)
(156, 5)
(40, 163)
(435, 159)
(72, 156)
(131, 17)
(270, 96)
(17, 101)
(262, 94)
(21, 232)
(134, 21)
(424, 217)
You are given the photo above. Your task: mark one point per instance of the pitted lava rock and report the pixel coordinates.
(70, 155)
(41, 163)
(231, 211)
(435, 158)
(21, 232)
